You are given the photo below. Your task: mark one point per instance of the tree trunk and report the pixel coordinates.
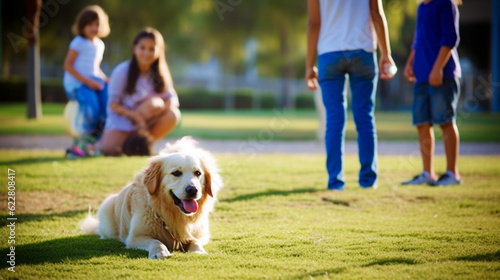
(495, 63)
(286, 98)
(1, 45)
(5, 64)
(33, 87)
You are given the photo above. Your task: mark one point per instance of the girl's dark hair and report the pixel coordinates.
(158, 71)
(88, 15)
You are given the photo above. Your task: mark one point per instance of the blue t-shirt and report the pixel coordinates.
(437, 26)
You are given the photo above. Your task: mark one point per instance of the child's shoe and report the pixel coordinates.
(447, 179)
(423, 178)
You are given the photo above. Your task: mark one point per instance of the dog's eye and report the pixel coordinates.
(197, 173)
(177, 173)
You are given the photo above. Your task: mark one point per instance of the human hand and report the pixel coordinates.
(436, 77)
(409, 74)
(94, 85)
(312, 78)
(146, 134)
(383, 62)
(139, 121)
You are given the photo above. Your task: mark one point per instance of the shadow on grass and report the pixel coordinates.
(269, 193)
(38, 160)
(323, 272)
(391, 261)
(39, 217)
(337, 201)
(488, 257)
(75, 248)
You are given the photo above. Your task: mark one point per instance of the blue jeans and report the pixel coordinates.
(361, 67)
(92, 107)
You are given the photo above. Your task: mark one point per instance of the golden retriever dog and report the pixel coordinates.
(166, 207)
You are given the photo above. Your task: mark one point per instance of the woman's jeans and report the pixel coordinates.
(92, 107)
(361, 67)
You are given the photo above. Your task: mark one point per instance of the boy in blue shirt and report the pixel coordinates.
(433, 64)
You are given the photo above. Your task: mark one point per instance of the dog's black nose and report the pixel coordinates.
(191, 190)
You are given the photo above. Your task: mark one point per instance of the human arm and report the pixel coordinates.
(436, 75)
(449, 40)
(409, 74)
(69, 67)
(103, 76)
(313, 29)
(118, 100)
(121, 110)
(379, 21)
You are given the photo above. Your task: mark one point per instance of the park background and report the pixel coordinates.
(235, 54)
(238, 68)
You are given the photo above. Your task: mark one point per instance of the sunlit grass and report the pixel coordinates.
(274, 220)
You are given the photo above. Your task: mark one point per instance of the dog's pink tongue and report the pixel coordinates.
(190, 205)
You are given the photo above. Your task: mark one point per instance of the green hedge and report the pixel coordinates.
(305, 101)
(267, 101)
(13, 89)
(199, 98)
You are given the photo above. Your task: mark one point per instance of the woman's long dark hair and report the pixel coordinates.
(158, 71)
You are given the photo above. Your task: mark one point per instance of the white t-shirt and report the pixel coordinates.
(346, 25)
(88, 60)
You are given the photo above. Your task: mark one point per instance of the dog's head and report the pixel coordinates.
(183, 177)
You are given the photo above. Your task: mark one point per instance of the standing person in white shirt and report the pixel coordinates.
(84, 80)
(344, 36)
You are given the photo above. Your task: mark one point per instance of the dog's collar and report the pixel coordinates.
(177, 245)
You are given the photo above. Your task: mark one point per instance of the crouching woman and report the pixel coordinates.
(141, 95)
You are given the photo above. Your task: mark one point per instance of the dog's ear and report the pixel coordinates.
(208, 181)
(152, 177)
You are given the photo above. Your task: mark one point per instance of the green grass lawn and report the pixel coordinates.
(271, 124)
(275, 220)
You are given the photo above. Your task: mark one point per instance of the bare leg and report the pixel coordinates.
(152, 107)
(112, 142)
(426, 141)
(165, 123)
(451, 141)
(162, 118)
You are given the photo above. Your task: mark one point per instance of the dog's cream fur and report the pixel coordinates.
(129, 216)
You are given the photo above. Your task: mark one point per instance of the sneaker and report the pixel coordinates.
(76, 150)
(372, 187)
(447, 179)
(423, 178)
(70, 154)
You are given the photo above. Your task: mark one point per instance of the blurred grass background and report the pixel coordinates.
(245, 124)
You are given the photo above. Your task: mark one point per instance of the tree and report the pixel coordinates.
(281, 31)
(33, 89)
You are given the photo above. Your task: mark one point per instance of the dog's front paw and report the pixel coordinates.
(159, 252)
(196, 248)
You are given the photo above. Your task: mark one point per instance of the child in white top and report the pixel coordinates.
(84, 80)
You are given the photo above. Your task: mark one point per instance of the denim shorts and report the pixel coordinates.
(436, 105)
